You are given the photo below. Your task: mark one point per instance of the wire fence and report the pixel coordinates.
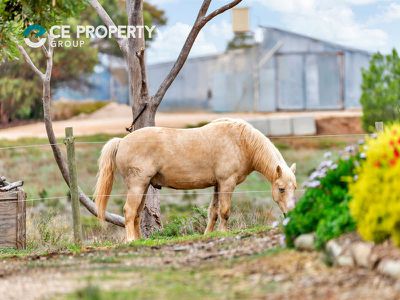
(176, 194)
(39, 171)
(145, 194)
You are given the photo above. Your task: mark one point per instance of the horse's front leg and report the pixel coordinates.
(225, 197)
(212, 212)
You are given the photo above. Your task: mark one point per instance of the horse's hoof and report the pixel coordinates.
(128, 241)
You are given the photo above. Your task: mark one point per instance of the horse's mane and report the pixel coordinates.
(263, 152)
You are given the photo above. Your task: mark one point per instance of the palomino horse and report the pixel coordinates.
(220, 154)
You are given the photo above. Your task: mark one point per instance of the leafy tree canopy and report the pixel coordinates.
(16, 15)
(242, 40)
(69, 63)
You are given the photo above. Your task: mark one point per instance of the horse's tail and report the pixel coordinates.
(105, 176)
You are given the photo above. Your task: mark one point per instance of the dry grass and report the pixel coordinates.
(42, 181)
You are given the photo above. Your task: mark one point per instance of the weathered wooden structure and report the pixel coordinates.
(12, 215)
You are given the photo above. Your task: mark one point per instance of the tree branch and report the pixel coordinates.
(122, 42)
(203, 9)
(201, 20)
(59, 158)
(11, 186)
(28, 60)
(46, 53)
(220, 10)
(49, 59)
(135, 118)
(143, 90)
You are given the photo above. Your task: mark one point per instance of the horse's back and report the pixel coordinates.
(183, 158)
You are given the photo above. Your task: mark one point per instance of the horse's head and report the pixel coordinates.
(284, 186)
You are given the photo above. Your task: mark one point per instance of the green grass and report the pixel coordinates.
(168, 285)
(161, 241)
(11, 252)
(105, 260)
(69, 248)
(150, 242)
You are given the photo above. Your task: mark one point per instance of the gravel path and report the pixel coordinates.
(250, 261)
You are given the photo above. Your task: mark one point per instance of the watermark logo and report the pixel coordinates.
(65, 36)
(40, 32)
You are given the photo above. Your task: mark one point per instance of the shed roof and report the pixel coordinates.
(331, 44)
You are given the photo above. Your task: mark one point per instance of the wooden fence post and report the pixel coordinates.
(73, 185)
(379, 126)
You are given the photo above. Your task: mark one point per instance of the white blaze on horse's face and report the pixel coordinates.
(284, 186)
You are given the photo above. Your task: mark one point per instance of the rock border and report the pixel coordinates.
(350, 251)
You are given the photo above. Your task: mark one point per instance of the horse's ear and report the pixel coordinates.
(293, 168)
(278, 171)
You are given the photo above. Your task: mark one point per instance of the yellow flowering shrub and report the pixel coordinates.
(375, 192)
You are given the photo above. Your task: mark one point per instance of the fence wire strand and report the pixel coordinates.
(270, 137)
(145, 194)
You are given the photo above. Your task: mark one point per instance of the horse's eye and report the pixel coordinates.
(281, 190)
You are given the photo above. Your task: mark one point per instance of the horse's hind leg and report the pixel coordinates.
(132, 209)
(138, 234)
(212, 212)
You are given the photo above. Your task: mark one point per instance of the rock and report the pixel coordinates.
(390, 267)
(345, 260)
(180, 248)
(339, 254)
(361, 253)
(305, 242)
(333, 249)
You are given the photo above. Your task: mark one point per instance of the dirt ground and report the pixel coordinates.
(346, 124)
(242, 266)
(114, 118)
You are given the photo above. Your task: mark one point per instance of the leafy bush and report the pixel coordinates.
(323, 208)
(19, 99)
(380, 97)
(376, 192)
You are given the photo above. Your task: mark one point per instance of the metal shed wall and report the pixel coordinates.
(305, 73)
(192, 89)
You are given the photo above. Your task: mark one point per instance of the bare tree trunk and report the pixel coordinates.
(144, 107)
(141, 106)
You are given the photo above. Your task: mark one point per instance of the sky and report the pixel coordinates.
(372, 25)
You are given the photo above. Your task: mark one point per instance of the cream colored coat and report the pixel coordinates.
(220, 154)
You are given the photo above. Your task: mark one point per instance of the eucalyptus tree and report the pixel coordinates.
(144, 105)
